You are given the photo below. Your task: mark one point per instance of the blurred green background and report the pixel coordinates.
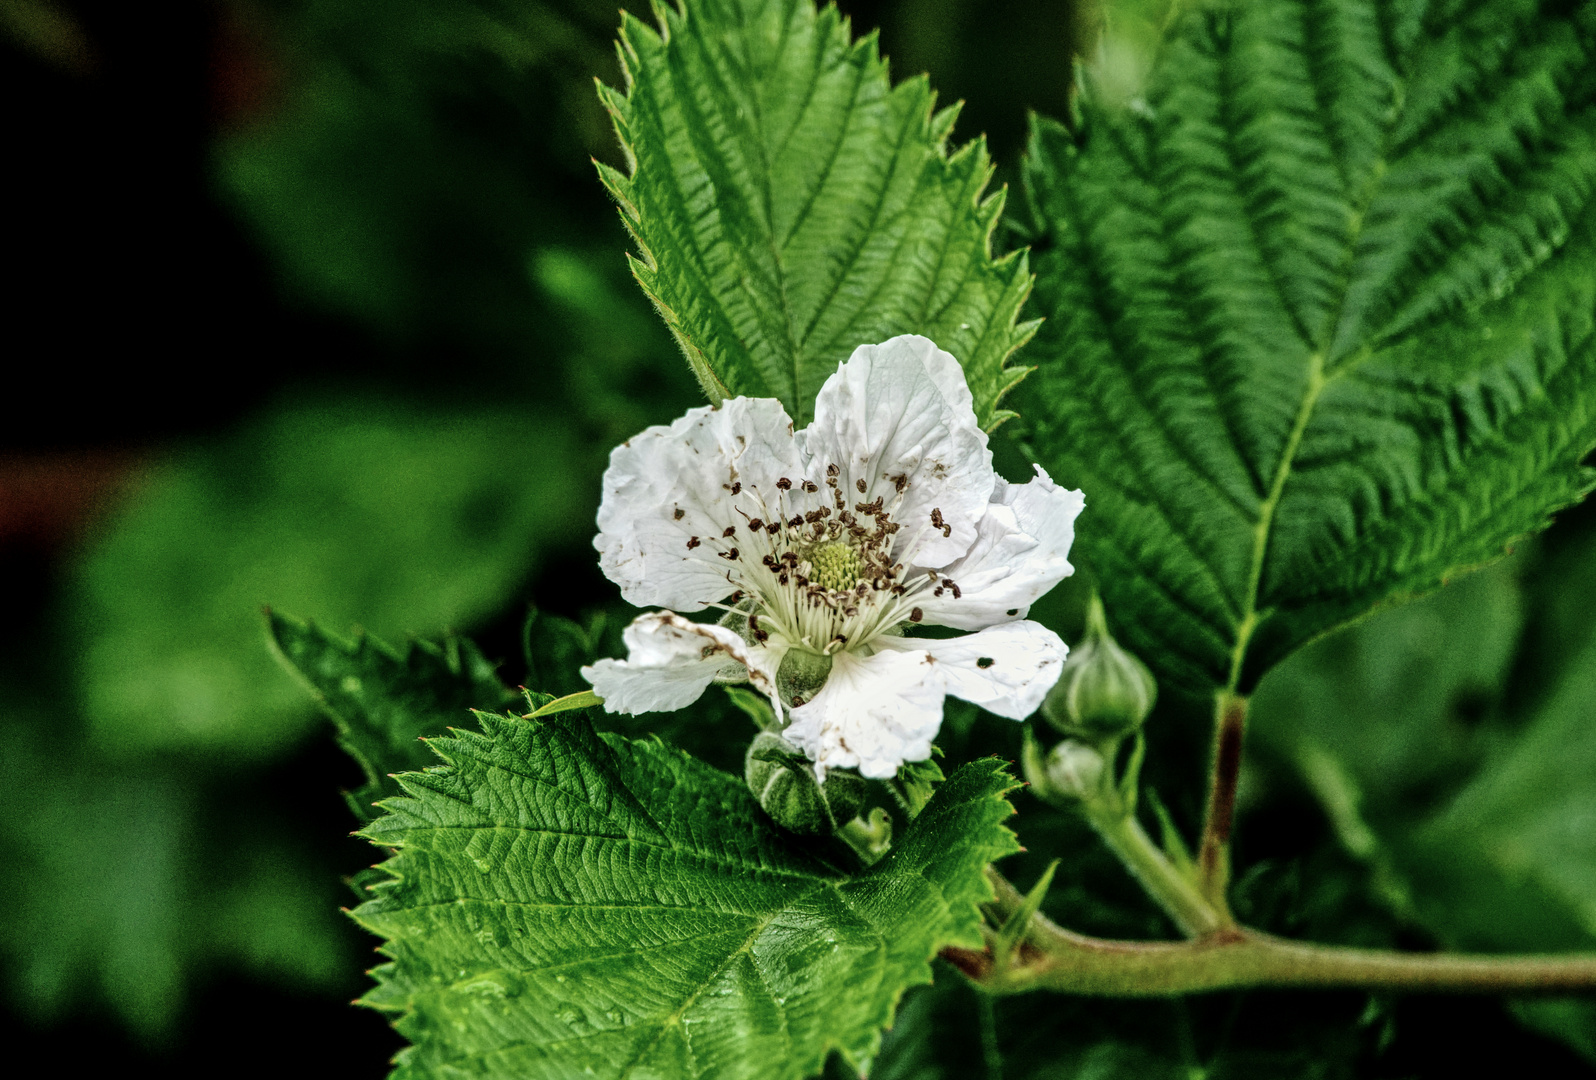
(331, 315)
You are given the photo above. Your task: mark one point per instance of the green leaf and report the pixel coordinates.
(1510, 863)
(789, 204)
(565, 903)
(1469, 814)
(1320, 315)
(383, 701)
(403, 520)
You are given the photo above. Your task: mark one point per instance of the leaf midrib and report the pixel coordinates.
(1316, 379)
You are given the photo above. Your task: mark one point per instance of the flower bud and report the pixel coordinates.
(1071, 771)
(870, 837)
(1103, 692)
(801, 675)
(1075, 768)
(783, 781)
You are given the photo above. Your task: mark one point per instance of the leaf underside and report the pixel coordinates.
(1321, 315)
(789, 204)
(565, 903)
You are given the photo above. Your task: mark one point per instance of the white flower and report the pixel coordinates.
(821, 546)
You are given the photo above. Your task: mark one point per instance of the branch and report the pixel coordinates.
(1052, 958)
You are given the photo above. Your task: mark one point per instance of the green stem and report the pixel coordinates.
(1239, 959)
(1213, 853)
(990, 1052)
(1175, 892)
(1052, 958)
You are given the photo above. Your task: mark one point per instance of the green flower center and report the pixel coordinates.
(836, 566)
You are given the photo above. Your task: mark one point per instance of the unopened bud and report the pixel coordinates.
(1075, 768)
(870, 837)
(1103, 692)
(801, 675)
(1071, 771)
(783, 781)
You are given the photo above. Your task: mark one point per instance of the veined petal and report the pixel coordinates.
(875, 712)
(1005, 669)
(898, 418)
(1020, 552)
(671, 493)
(671, 661)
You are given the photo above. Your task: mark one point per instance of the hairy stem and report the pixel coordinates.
(1240, 959)
(1052, 958)
(1213, 854)
(1174, 890)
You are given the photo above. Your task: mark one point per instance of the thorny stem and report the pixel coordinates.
(1213, 853)
(1052, 958)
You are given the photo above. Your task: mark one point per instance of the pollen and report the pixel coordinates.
(837, 566)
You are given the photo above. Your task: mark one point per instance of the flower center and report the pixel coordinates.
(823, 570)
(836, 566)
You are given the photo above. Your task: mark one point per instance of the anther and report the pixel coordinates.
(811, 487)
(731, 530)
(680, 513)
(860, 484)
(916, 615)
(755, 524)
(729, 555)
(784, 484)
(692, 542)
(832, 470)
(737, 487)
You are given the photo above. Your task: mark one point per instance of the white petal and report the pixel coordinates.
(1005, 669)
(671, 661)
(1018, 555)
(672, 485)
(875, 712)
(903, 408)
